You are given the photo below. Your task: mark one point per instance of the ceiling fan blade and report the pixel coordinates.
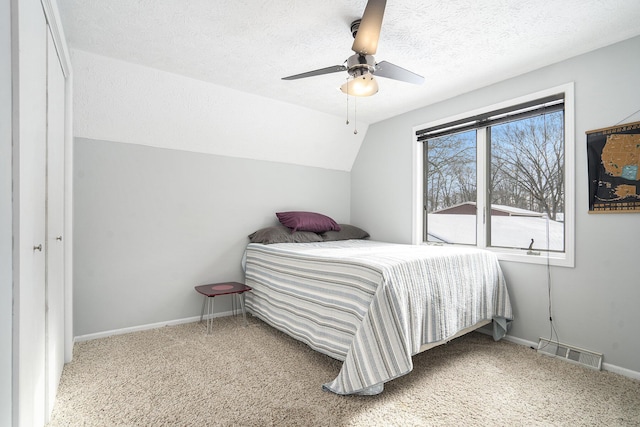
(391, 71)
(366, 42)
(327, 70)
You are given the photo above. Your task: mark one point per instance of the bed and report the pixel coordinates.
(373, 305)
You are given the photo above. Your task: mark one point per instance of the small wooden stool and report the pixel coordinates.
(215, 289)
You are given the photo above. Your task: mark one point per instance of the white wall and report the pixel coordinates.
(6, 259)
(595, 303)
(120, 101)
(152, 223)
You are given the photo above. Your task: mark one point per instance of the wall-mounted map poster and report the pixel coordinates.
(614, 169)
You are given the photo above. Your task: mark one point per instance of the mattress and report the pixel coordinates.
(372, 305)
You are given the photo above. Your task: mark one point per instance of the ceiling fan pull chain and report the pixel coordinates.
(355, 115)
(347, 102)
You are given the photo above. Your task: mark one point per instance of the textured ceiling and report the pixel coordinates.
(249, 45)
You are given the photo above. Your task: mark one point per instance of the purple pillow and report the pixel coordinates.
(307, 221)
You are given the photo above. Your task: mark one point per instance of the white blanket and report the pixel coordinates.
(373, 304)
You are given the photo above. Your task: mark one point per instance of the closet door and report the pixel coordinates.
(30, 100)
(54, 293)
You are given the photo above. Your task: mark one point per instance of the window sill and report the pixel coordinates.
(554, 259)
(516, 255)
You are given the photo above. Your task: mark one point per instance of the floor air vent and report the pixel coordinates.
(570, 354)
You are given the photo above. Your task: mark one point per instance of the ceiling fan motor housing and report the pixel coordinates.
(358, 64)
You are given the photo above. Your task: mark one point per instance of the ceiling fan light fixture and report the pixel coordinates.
(361, 85)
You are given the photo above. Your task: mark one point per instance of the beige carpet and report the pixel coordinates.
(256, 376)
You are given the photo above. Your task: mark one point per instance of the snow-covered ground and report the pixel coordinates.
(506, 231)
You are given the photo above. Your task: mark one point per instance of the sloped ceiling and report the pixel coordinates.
(248, 45)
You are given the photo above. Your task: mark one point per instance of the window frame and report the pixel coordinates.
(562, 259)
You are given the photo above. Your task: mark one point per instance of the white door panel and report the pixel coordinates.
(29, 298)
(55, 224)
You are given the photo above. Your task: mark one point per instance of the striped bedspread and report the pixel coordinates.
(372, 304)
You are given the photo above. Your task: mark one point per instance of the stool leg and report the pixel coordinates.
(202, 311)
(233, 306)
(244, 312)
(211, 301)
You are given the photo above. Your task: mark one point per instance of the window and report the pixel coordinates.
(450, 182)
(501, 178)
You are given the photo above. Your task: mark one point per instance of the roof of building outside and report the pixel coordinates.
(507, 209)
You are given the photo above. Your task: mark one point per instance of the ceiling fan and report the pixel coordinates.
(362, 66)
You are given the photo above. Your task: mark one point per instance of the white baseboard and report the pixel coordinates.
(122, 331)
(488, 330)
(621, 371)
(520, 341)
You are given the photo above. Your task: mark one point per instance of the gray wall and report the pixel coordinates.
(6, 277)
(596, 303)
(152, 223)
